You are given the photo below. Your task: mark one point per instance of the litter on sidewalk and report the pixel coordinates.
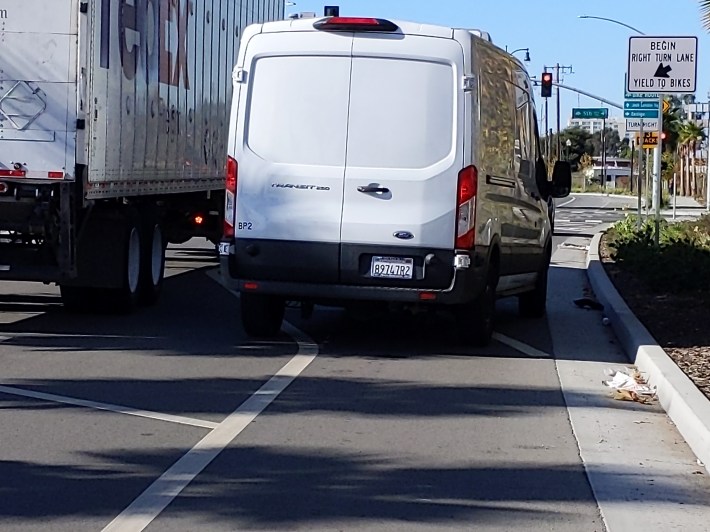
(629, 385)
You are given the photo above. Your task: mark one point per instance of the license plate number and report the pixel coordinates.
(224, 248)
(392, 267)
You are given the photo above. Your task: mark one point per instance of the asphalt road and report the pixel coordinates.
(172, 419)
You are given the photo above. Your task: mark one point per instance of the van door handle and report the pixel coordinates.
(373, 188)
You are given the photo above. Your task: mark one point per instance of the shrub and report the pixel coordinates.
(681, 262)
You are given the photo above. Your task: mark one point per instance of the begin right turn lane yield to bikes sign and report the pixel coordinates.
(662, 64)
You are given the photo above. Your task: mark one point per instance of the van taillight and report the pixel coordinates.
(466, 212)
(230, 203)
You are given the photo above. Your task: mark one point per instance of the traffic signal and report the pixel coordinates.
(546, 90)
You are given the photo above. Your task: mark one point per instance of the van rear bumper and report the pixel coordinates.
(465, 286)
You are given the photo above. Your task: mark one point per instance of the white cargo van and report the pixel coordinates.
(372, 160)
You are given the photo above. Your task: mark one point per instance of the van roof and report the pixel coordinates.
(408, 28)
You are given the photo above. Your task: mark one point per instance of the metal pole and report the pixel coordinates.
(603, 139)
(639, 178)
(649, 204)
(559, 142)
(707, 174)
(675, 192)
(657, 188)
(631, 177)
(547, 133)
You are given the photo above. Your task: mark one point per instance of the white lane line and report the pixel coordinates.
(593, 221)
(50, 397)
(520, 346)
(149, 504)
(566, 202)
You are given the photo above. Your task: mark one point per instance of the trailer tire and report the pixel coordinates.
(152, 269)
(79, 299)
(125, 298)
(262, 315)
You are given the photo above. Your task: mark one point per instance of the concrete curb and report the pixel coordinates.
(687, 406)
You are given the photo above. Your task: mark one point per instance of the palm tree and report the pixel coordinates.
(705, 13)
(688, 137)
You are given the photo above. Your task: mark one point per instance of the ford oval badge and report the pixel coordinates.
(403, 235)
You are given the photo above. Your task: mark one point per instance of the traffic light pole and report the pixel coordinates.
(563, 69)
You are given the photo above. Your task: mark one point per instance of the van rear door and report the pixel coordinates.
(293, 114)
(38, 74)
(404, 153)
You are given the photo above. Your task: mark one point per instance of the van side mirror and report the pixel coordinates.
(561, 184)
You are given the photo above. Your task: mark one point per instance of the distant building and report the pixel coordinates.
(594, 125)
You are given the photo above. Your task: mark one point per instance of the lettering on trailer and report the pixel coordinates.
(3, 13)
(158, 48)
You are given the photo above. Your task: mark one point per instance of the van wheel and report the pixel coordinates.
(533, 304)
(262, 315)
(475, 320)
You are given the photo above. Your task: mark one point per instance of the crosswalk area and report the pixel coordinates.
(584, 221)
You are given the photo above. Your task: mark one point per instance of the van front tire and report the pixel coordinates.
(262, 315)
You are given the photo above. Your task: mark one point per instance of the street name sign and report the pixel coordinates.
(641, 113)
(662, 64)
(641, 104)
(590, 112)
(649, 124)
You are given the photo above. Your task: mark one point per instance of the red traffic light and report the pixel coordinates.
(546, 85)
(547, 77)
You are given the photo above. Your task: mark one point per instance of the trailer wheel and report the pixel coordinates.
(78, 299)
(152, 269)
(124, 299)
(262, 315)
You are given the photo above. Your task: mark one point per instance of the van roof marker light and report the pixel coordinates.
(355, 24)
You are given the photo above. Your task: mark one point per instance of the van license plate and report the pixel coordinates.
(392, 267)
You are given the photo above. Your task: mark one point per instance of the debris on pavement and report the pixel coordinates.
(629, 385)
(588, 303)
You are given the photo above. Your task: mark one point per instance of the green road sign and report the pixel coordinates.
(590, 112)
(642, 104)
(644, 113)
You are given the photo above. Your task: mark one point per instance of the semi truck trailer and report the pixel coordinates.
(113, 129)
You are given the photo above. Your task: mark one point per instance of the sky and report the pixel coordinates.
(597, 50)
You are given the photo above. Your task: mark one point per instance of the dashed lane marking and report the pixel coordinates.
(53, 398)
(149, 504)
(520, 346)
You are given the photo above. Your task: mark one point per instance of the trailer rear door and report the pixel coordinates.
(38, 74)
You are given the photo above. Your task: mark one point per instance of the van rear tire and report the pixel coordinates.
(262, 315)
(475, 320)
(533, 304)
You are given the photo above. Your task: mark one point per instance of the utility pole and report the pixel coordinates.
(559, 69)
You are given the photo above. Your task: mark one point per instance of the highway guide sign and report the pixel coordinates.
(662, 64)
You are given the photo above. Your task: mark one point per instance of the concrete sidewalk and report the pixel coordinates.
(687, 407)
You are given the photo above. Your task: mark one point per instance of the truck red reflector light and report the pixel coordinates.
(55, 175)
(251, 286)
(231, 178)
(355, 24)
(12, 173)
(198, 219)
(427, 296)
(466, 212)
(4, 188)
